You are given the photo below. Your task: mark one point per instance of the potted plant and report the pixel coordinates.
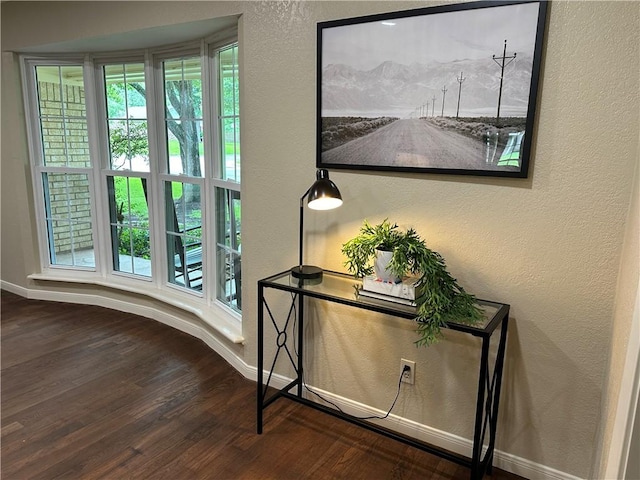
(441, 299)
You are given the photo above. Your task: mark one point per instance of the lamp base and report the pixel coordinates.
(307, 272)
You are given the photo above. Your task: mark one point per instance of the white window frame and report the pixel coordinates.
(162, 172)
(35, 148)
(216, 179)
(202, 304)
(105, 170)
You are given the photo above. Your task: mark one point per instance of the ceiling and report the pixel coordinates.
(140, 39)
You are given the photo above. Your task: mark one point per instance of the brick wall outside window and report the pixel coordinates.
(65, 143)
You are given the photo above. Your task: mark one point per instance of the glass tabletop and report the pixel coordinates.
(344, 288)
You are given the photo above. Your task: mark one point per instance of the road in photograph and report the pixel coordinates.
(410, 143)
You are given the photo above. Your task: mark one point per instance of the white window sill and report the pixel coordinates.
(224, 323)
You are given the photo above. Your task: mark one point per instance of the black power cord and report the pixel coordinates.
(337, 407)
(370, 417)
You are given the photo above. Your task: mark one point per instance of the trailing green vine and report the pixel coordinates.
(441, 300)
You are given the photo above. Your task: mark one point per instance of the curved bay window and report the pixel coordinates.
(164, 145)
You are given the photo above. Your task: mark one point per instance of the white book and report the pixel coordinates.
(405, 289)
(388, 298)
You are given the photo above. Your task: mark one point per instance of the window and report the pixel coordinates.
(63, 173)
(136, 163)
(185, 159)
(128, 157)
(227, 191)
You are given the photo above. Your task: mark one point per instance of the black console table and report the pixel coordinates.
(339, 288)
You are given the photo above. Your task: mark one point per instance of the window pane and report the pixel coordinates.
(127, 116)
(230, 115)
(134, 242)
(228, 247)
(231, 149)
(230, 86)
(183, 106)
(129, 225)
(129, 145)
(63, 124)
(183, 213)
(68, 219)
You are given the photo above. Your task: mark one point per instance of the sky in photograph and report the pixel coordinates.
(442, 37)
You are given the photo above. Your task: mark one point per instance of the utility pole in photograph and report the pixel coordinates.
(502, 64)
(433, 106)
(460, 80)
(444, 92)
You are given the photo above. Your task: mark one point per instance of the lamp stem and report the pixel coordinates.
(300, 232)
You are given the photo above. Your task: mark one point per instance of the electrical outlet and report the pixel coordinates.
(410, 376)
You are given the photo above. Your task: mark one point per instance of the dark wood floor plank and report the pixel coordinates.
(90, 393)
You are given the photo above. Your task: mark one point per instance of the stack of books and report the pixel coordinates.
(405, 291)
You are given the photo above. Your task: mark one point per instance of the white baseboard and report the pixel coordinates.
(439, 438)
(18, 290)
(504, 461)
(148, 312)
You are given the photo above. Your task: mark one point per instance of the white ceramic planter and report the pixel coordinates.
(380, 265)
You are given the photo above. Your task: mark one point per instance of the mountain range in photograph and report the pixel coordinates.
(397, 90)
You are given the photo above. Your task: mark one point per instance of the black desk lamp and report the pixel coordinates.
(323, 195)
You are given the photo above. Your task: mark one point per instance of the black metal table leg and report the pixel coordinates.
(283, 344)
(478, 432)
(497, 388)
(300, 342)
(260, 393)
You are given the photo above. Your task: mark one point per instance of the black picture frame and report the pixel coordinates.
(383, 79)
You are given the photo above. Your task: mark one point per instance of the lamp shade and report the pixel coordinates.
(323, 194)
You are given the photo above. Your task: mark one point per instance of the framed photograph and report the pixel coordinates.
(448, 89)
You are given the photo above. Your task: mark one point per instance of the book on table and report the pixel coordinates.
(408, 288)
(404, 291)
(388, 298)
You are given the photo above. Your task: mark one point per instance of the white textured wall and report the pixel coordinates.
(616, 390)
(550, 245)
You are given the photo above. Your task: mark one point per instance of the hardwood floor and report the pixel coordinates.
(92, 393)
